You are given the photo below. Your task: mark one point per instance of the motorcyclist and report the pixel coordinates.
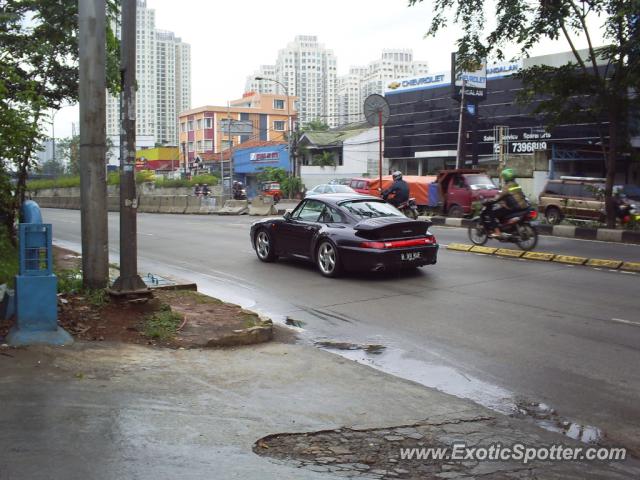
(197, 190)
(399, 190)
(511, 198)
(206, 191)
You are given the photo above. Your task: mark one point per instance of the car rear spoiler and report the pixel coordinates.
(381, 222)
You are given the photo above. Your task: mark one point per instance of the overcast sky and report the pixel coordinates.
(231, 39)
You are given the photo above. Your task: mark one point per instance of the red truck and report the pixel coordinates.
(455, 191)
(451, 192)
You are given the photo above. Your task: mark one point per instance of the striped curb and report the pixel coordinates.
(507, 252)
(487, 250)
(598, 262)
(548, 257)
(542, 256)
(631, 266)
(459, 246)
(565, 231)
(570, 259)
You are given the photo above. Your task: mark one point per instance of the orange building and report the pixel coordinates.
(204, 130)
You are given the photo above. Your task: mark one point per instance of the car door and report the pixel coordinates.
(297, 233)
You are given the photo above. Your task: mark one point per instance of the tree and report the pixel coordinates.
(69, 151)
(52, 168)
(607, 76)
(38, 73)
(324, 159)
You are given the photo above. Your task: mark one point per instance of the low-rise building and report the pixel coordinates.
(204, 131)
(347, 152)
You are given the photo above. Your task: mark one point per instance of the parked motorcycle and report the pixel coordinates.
(515, 228)
(409, 208)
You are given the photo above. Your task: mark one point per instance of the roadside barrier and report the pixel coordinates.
(262, 205)
(234, 207)
(547, 257)
(193, 204)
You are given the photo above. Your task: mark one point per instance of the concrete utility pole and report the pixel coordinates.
(460, 152)
(93, 181)
(128, 282)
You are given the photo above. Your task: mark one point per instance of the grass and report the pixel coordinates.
(70, 282)
(163, 324)
(8, 259)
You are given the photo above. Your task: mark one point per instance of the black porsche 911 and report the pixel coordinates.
(346, 232)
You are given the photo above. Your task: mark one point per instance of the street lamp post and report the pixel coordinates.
(286, 92)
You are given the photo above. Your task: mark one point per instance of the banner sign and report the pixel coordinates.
(475, 82)
(264, 157)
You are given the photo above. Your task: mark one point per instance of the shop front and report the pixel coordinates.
(248, 162)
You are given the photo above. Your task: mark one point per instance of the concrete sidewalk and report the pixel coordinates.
(119, 411)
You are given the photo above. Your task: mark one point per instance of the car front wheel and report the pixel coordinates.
(328, 259)
(264, 246)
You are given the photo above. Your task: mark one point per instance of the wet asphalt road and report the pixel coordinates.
(498, 331)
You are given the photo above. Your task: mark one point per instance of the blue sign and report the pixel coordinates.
(252, 160)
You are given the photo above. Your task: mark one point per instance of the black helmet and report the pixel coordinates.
(397, 175)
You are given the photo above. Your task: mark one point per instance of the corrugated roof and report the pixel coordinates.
(333, 137)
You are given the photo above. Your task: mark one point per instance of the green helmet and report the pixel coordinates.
(507, 174)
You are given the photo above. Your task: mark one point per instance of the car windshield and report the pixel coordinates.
(370, 209)
(479, 182)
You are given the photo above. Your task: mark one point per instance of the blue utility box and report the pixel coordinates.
(36, 300)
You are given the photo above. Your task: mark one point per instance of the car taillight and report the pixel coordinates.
(414, 242)
(533, 214)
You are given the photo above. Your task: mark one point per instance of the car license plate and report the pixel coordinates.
(410, 256)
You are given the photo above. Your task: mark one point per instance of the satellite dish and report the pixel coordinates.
(373, 105)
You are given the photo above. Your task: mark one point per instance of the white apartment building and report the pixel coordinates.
(173, 68)
(183, 78)
(350, 96)
(262, 86)
(309, 72)
(374, 78)
(163, 78)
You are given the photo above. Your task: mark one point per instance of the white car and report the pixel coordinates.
(329, 188)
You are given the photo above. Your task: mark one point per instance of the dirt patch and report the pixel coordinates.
(172, 318)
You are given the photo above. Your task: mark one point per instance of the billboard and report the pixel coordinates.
(475, 82)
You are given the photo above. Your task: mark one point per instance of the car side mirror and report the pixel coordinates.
(287, 216)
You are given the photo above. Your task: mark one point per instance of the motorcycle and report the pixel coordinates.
(409, 208)
(515, 228)
(628, 214)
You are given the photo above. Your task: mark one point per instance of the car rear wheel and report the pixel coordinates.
(554, 216)
(327, 259)
(264, 246)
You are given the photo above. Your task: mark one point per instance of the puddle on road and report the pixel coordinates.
(547, 418)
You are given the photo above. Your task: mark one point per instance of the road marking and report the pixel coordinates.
(626, 322)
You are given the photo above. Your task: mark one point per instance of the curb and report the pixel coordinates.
(566, 231)
(548, 257)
